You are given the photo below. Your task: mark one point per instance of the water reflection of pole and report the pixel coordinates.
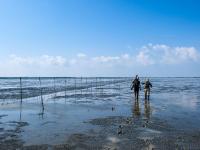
(41, 97)
(20, 98)
(42, 113)
(41, 94)
(20, 114)
(20, 89)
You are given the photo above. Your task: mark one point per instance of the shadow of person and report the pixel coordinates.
(136, 109)
(147, 108)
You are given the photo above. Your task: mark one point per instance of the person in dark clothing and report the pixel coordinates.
(136, 86)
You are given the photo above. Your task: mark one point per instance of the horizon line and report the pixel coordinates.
(1, 77)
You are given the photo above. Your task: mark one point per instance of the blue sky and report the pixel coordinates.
(99, 37)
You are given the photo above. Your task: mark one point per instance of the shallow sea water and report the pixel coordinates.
(70, 104)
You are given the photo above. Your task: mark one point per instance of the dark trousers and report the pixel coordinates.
(136, 92)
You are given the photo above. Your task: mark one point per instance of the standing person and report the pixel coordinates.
(147, 86)
(136, 86)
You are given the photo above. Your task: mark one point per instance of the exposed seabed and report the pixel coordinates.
(106, 117)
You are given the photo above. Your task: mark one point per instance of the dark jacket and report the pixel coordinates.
(147, 85)
(135, 84)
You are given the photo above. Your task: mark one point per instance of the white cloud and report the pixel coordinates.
(72, 61)
(144, 58)
(106, 59)
(165, 54)
(159, 46)
(125, 56)
(81, 55)
(20, 60)
(175, 55)
(82, 64)
(51, 60)
(186, 53)
(42, 60)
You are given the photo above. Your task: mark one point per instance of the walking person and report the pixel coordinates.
(147, 86)
(136, 86)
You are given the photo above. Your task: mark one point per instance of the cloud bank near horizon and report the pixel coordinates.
(149, 60)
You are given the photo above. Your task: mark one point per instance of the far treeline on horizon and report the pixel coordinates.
(99, 38)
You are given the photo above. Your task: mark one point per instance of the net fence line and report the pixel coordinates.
(23, 87)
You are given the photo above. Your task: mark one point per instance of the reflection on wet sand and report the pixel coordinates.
(40, 113)
(137, 110)
(20, 111)
(147, 109)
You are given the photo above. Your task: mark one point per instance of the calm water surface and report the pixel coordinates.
(69, 103)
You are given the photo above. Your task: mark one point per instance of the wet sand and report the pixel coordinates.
(109, 119)
(136, 134)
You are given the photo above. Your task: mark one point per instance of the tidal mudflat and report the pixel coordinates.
(98, 113)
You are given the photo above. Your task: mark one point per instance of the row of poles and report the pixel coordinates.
(79, 85)
(87, 85)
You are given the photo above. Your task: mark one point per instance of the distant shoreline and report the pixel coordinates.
(29, 77)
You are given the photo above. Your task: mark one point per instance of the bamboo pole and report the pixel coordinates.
(21, 90)
(65, 89)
